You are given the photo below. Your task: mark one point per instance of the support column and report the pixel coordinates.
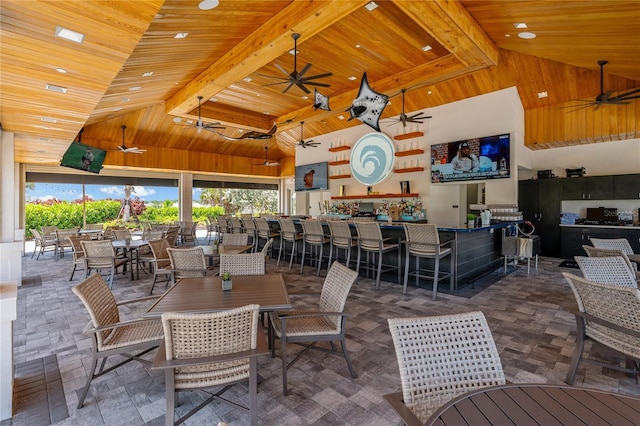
(185, 197)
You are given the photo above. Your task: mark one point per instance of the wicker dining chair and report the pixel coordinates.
(324, 324)
(62, 235)
(601, 252)
(207, 350)
(188, 233)
(371, 242)
(288, 234)
(122, 234)
(611, 270)
(109, 334)
(187, 262)
(616, 243)
(341, 239)
(423, 241)
(78, 251)
(441, 357)
(609, 315)
(242, 264)
(160, 264)
(43, 243)
(313, 237)
(101, 255)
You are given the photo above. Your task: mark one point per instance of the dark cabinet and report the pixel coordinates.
(540, 203)
(574, 237)
(588, 188)
(626, 187)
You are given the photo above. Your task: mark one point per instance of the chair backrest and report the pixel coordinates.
(600, 252)
(360, 219)
(78, 251)
(441, 357)
(159, 251)
(122, 234)
(235, 240)
(236, 224)
(98, 254)
(149, 234)
(611, 270)
(613, 243)
(369, 235)
(263, 227)
(93, 227)
(422, 238)
(172, 235)
(48, 231)
(62, 235)
(223, 224)
(248, 224)
(37, 236)
(99, 301)
(210, 334)
(312, 231)
(242, 264)
(340, 233)
(187, 262)
(335, 290)
(287, 229)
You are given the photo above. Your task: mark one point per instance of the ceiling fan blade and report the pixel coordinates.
(284, 81)
(303, 71)
(314, 77)
(626, 95)
(301, 86)
(288, 87)
(282, 70)
(311, 83)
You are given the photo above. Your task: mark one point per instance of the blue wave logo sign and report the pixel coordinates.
(372, 158)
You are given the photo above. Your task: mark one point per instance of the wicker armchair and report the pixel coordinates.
(101, 255)
(110, 335)
(288, 234)
(242, 264)
(235, 240)
(612, 270)
(188, 233)
(326, 324)
(62, 235)
(341, 238)
(78, 251)
(161, 264)
(313, 237)
(370, 241)
(210, 350)
(439, 358)
(43, 243)
(122, 234)
(423, 241)
(609, 315)
(172, 235)
(617, 244)
(187, 262)
(600, 252)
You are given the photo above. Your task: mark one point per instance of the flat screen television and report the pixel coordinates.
(471, 159)
(312, 177)
(83, 157)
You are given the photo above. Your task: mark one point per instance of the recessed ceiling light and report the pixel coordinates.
(266, 113)
(189, 121)
(507, 35)
(429, 92)
(305, 97)
(177, 119)
(70, 35)
(358, 46)
(208, 4)
(341, 117)
(61, 70)
(181, 35)
(426, 48)
(125, 100)
(49, 120)
(353, 77)
(213, 99)
(55, 88)
(135, 88)
(542, 94)
(520, 25)
(294, 52)
(527, 35)
(371, 6)
(148, 74)
(247, 79)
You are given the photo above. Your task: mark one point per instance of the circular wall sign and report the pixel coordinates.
(372, 158)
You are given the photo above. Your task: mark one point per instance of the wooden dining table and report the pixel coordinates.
(205, 294)
(538, 404)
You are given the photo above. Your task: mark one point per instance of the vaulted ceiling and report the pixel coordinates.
(132, 70)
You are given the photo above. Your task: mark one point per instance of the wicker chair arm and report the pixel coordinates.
(139, 299)
(310, 314)
(90, 329)
(405, 413)
(161, 361)
(608, 324)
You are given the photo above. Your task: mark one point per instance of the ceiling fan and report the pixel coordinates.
(123, 147)
(295, 77)
(304, 143)
(404, 118)
(266, 159)
(201, 124)
(605, 98)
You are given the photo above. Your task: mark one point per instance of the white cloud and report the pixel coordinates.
(138, 191)
(46, 198)
(113, 190)
(141, 191)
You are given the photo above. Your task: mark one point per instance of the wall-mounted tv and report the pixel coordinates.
(471, 159)
(83, 157)
(311, 177)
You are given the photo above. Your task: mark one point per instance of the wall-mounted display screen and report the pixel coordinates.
(311, 177)
(471, 159)
(83, 157)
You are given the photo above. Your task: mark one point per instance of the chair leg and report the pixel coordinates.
(304, 249)
(283, 344)
(577, 352)
(406, 273)
(293, 253)
(379, 270)
(73, 271)
(320, 259)
(83, 393)
(343, 343)
(111, 277)
(169, 416)
(253, 390)
(436, 277)
(280, 251)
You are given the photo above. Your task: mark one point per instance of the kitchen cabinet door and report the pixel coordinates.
(626, 187)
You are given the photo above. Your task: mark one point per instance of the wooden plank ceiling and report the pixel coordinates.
(131, 70)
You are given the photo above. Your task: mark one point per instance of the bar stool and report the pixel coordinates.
(423, 241)
(250, 228)
(263, 231)
(341, 239)
(288, 233)
(236, 225)
(313, 236)
(370, 241)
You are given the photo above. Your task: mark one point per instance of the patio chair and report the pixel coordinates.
(370, 241)
(43, 243)
(78, 251)
(314, 238)
(172, 235)
(423, 241)
(49, 231)
(600, 252)
(62, 235)
(206, 350)
(242, 264)
(609, 315)
(187, 262)
(188, 233)
(109, 335)
(612, 270)
(211, 229)
(288, 234)
(122, 234)
(440, 358)
(235, 240)
(616, 243)
(101, 255)
(325, 324)
(161, 264)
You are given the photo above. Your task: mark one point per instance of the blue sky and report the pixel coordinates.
(70, 192)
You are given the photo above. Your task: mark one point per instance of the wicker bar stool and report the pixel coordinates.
(314, 238)
(370, 241)
(263, 231)
(341, 238)
(288, 234)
